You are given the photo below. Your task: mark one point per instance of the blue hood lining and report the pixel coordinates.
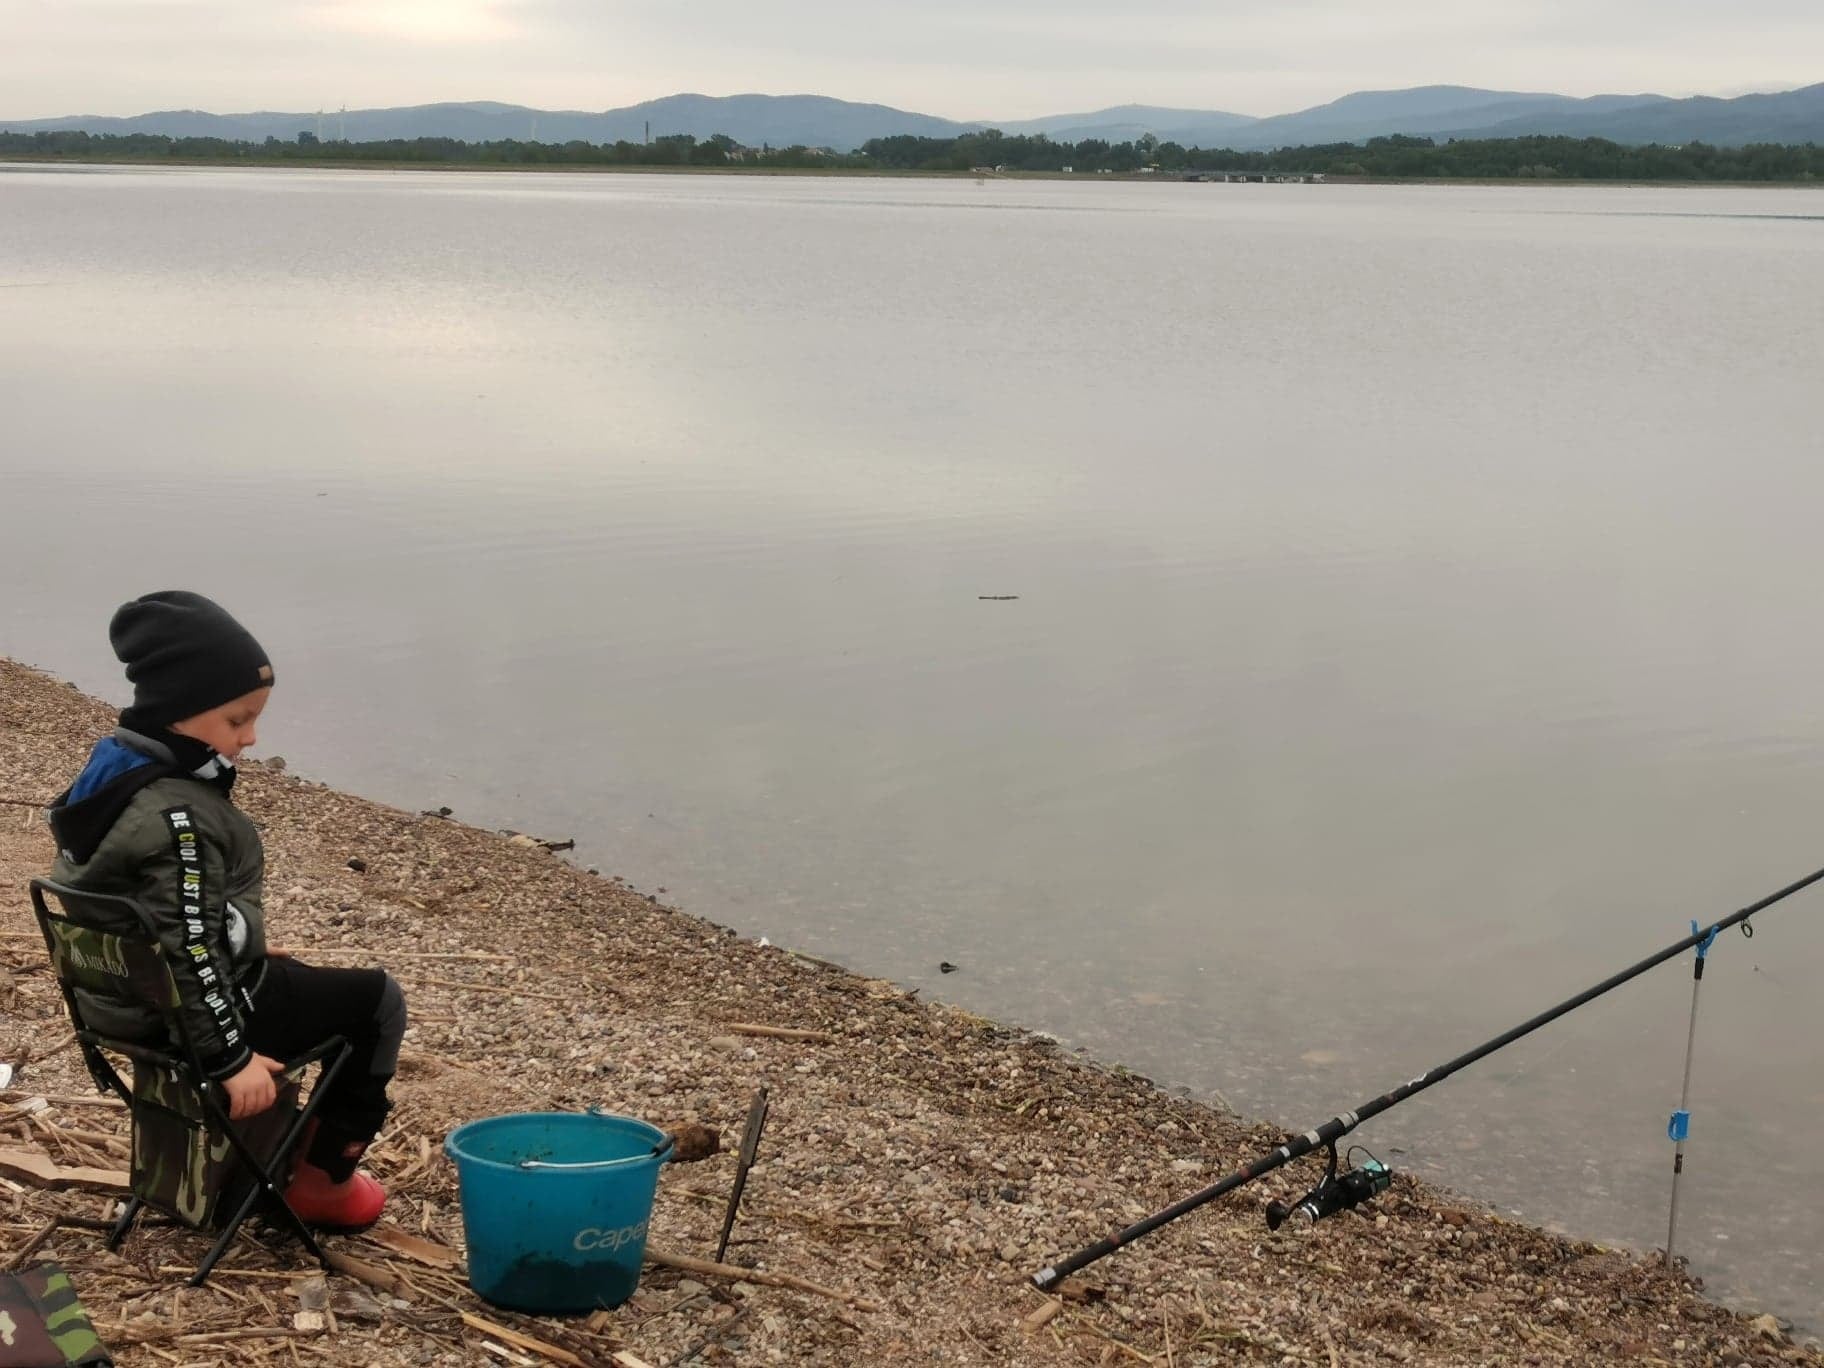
(109, 760)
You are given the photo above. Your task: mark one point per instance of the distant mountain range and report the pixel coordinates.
(775, 120)
(1794, 116)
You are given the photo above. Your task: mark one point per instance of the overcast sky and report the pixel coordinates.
(959, 58)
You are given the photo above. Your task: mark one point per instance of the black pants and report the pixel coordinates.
(299, 1006)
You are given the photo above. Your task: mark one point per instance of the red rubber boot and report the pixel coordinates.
(344, 1206)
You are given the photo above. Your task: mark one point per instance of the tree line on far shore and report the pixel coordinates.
(1528, 158)
(1536, 157)
(679, 149)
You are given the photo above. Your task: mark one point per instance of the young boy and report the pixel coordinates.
(150, 817)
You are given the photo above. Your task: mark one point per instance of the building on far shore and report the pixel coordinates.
(1258, 177)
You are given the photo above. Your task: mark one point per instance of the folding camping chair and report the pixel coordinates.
(190, 1161)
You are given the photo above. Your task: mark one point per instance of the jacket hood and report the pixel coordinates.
(118, 768)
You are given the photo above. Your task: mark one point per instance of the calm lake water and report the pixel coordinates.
(1417, 618)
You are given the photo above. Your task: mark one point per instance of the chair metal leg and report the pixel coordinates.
(296, 1225)
(283, 1215)
(220, 1247)
(263, 1187)
(123, 1222)
(262, 1173)
(267, 1189)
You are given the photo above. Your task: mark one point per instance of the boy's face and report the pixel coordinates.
(227, 730)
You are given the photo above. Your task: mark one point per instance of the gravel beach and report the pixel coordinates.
(918, 1165)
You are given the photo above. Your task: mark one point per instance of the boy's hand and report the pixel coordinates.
(251, 1090)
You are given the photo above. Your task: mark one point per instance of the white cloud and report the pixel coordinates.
(420, 21)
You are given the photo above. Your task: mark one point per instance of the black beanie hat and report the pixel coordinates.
(185, 655)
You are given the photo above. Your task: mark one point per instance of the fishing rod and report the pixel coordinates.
(1336, 1193)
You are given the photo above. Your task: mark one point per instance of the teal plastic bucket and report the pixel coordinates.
(555, 1206)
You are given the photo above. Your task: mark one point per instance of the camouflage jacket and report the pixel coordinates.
(42, 1323)
(136, 822)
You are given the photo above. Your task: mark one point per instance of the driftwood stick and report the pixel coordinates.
(1110, 1340)
(430, 1059)
(276, 1274)
(521, 1341)
(748, 1028)
(1035, 1320)
(83, 1152)
(492, 989)
(500, 1351)
(32, 1054)
(709, 1268)
(41, 1172)
(87, 1222)
(242, 1332)
(64, 1101)
(351, 951)
(371, 1274)
(176, 1331)
(416, 1247)
(33, 1245)
(89, 1137)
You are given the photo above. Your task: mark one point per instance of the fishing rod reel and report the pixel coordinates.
(1335, 1191)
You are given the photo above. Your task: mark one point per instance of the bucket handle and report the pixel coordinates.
(661, 1151)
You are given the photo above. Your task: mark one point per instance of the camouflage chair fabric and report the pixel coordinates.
(43, 1325)
(186, 1160)
(99, 961)
(181, 1165)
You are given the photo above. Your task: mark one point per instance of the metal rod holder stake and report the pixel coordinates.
(1679, 1127)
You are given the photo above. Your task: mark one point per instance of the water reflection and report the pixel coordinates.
(1411, 619)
